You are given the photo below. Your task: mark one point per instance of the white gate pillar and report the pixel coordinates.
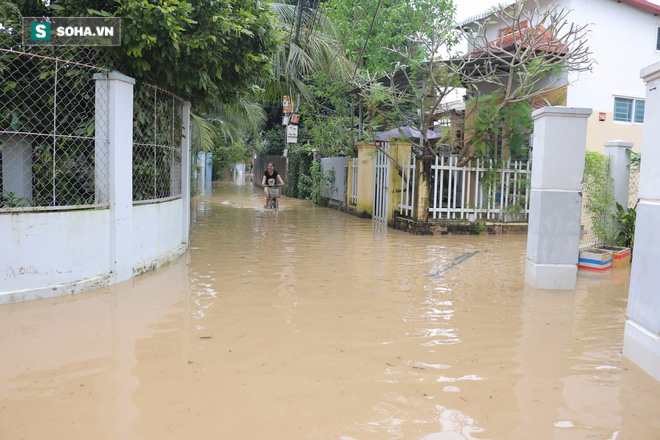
(185, 170)
(641, 342)
(619, 169)
(120, 170)
(553, 236)
(201, 172)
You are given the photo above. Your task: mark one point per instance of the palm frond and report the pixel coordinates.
(286, 14)
(317, 50)
(202, 133)
(237, 120)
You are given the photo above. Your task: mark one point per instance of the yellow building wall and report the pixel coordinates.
(365, 189)
(599, 132)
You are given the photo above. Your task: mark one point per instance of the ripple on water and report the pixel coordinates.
(334, 319)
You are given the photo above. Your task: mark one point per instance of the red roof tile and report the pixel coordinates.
(509, 41)
(643, 5)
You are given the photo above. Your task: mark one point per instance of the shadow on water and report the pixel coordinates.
(307, 323)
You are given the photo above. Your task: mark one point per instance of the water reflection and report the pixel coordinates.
(310, 323)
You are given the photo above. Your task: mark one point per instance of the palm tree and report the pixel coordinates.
(309, 46)
(227, 123)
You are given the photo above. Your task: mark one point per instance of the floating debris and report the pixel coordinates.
(455, 262)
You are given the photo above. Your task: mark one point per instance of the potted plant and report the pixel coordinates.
(599, 204)
(612, 225)
(624, 236)
(595, 259)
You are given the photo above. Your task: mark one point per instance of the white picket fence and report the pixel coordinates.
(407, 185)
(479, 190)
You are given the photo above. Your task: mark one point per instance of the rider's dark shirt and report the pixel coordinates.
(271, 179)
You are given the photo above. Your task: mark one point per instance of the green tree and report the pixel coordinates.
(330, 135)
(212, 53)
(526, 67)
(503, 77)
(203, 51)
(599, 197)
(272, 142)
(309, 46)
(230, 131)
(373, 32)
(411, 92)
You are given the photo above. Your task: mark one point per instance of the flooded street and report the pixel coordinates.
(308, 323)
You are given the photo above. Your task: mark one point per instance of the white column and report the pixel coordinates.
(201, 172)
(185, 171)
(101, 140)
(553, 236)
(17, 166)
(208, 175)
(642, 334)
(619, 169)
(120, 166)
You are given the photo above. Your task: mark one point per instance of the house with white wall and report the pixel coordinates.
(623, 37)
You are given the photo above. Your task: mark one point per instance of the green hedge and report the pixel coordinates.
(300, 162)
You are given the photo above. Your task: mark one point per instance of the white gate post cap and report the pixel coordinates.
(651, 72)
(576, 112)
(619, 144)
(114, 75)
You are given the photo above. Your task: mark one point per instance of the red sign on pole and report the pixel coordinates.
(287, 103)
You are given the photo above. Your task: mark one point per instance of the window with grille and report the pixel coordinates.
(629, 110)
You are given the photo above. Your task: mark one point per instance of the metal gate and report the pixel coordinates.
(381, 182)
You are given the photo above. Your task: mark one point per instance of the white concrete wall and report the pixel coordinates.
(642, 334)
(623, 40)
(157, 234)
(47, 254)
(50, 253)
(57, 252)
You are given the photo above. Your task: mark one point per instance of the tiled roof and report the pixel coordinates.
(643, 5)
(640, 4)
(509, 41)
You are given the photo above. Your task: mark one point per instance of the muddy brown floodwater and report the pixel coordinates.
(312, 324)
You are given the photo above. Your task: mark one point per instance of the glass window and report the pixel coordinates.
(657, 40)
(629, 110)
(623, 109)
(639, 111)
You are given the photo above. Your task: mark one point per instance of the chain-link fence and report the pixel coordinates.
(53, 130)
(157, 133)
(597, 206)
(587, 235)
(633, 188)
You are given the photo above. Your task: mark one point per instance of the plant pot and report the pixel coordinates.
(595, 259)
(620, 255)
